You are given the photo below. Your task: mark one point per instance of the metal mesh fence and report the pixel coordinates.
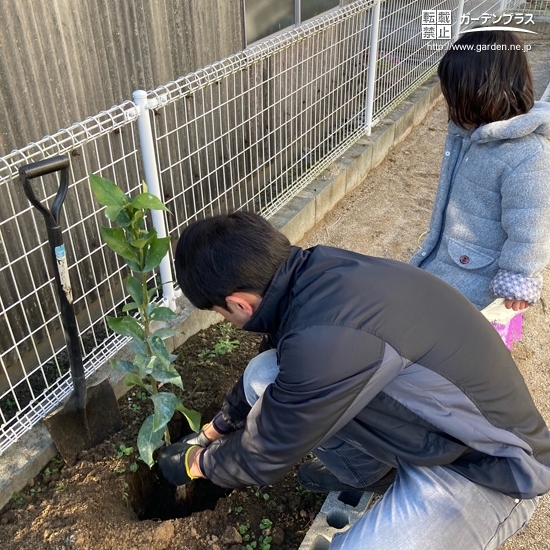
(248, 132)
(254, 129)
(33, 362)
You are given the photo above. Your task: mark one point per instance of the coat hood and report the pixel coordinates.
(536, 121)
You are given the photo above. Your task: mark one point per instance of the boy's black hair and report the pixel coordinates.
(238, 252)
(483, 85)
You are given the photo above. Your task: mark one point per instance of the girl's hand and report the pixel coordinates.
(516, 305)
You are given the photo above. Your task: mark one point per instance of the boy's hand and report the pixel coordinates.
(516, 305)
(211, 433)
(207, 435)
(179, 463)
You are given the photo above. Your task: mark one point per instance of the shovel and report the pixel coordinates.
(90, 414)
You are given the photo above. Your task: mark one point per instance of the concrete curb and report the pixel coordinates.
(338, 513)
(26, 458)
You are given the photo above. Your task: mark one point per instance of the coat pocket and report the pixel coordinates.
(468, 256)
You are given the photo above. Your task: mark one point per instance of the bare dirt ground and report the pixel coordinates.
(101, 503)
(387, 215)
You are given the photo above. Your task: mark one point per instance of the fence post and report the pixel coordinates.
(503, 5)
(373, 59)
(459, 12)
(153, 186)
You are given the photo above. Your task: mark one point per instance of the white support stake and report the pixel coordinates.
(153, 186)
(373, 60)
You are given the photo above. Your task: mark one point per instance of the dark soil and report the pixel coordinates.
(111, 500)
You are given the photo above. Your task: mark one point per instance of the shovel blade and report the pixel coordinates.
(74, 430)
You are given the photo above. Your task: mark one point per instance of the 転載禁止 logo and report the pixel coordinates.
(438, 24)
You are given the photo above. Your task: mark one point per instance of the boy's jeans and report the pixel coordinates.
(425, 509)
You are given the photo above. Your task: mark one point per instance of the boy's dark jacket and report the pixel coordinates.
(437, 384)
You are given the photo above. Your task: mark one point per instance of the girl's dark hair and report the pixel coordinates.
(485, 77)
(237, 252)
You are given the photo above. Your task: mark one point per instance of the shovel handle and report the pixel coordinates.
(42, 168)
(59, 260)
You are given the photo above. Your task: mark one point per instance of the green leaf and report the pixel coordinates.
(108, 194)
(134, 266)
(162, 314)
(116, 241)
(134, 289)
(164, 333)
(130, 307)
(159, 350)
(138, 220)
(144, 238)
(126, 326)
(145, 363)
(156, 252)
(124, 366)
(127, 217)
(132, 379)
(137, 347)
(193, 417)
(167, 376)
(149, 440)
(165, 405)
(139, 243)
(153, 291)
(147, 201)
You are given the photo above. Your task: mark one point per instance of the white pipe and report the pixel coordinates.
(373, 59)
(153, 187)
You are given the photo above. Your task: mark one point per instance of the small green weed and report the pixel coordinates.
(266, 524)
(265, 538)
(124, 451)
(244, 530)
(237, 510)
(258, 493)
(222, 347)
(18, 498)
(58, 461)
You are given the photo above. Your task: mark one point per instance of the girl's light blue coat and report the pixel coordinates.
(492, 208)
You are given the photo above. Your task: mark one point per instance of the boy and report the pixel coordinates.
(387, 374)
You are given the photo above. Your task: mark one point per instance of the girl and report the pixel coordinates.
(489, 232)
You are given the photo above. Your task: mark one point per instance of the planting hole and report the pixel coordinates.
(320, 543)
(351, 498)
(337, 519)
(152, 497)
